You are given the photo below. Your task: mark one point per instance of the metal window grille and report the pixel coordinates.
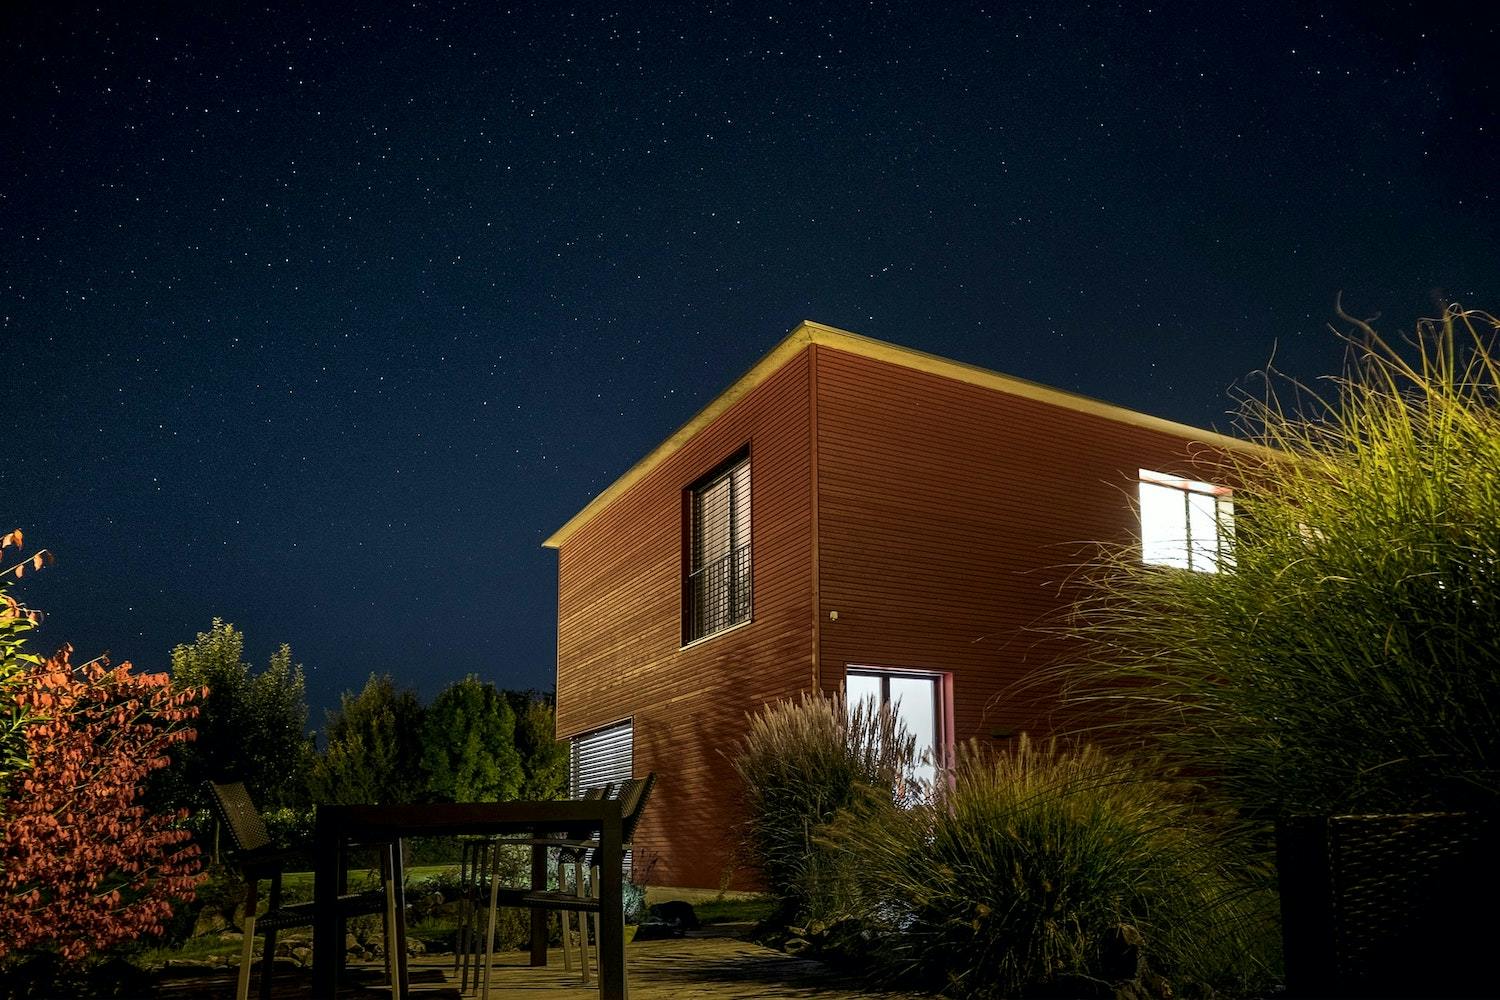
(717, 592)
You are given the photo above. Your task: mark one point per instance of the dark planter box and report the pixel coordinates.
(1390, 905)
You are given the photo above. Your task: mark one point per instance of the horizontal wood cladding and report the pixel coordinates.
(949, 513)
(620, 625)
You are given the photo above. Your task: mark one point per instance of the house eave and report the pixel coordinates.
(807, 333)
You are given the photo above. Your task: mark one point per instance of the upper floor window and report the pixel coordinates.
(716, 592)
(1185, 523)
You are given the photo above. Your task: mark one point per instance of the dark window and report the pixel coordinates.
(716, 593)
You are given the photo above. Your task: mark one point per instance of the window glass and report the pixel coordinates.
(916, 700)
(716, 592)
(1185, 523)
(862, 687)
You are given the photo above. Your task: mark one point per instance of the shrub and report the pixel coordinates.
(1346, 662)
(801, 762)
(83, 865)
(1047, 868)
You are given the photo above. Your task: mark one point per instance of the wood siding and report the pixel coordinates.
(935, 516)
(947, 516)
(620, 626)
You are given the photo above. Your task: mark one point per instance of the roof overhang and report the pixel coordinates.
(808, 333)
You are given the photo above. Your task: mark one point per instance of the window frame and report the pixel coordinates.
(1186, 554)
(942, 700)
(739, 583)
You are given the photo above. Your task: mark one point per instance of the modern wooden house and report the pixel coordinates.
(855, 515)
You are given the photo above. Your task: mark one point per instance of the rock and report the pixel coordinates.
(675, 911)
(657, 930)
(415, 947)
(231, 936)
(303, 955)
(1122, 954)
(796, 945)
(1070, 986)
(210, 921)
(351, 943)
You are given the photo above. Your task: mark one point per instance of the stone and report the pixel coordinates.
(657, 930)
(796, 945)
(210, 920)
(303, 955)
(675, 911)
(415, 947)
(1122, 954)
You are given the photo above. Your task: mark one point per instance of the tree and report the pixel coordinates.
(469, 744)
(252, 727)
(83, 866)
(544, 758)
(374, 751)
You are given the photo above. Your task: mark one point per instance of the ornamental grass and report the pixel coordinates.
(1348, 660)
(1056, 872)
(800, 763)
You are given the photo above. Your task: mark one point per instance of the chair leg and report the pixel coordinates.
(594, 893)
(242, 985)
(247, 954)
(393, 938)
(489, 944)
(580, 887)
(468, 882)
(567, 925)
(267, 964)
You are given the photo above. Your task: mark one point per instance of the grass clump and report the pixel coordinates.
(801, 762)
(1045, 871)
(1346, 662)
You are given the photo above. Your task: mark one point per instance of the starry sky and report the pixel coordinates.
(319, 318)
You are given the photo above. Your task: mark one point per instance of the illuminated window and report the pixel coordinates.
(1185, 523)
(716, 590)
(918, 702)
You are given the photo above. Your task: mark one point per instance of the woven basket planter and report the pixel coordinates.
(1390, 905)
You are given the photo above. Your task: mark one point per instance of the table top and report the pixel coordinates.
(568, 816)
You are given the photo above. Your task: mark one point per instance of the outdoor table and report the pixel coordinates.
(338, 826)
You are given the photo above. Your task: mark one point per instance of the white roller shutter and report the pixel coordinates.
(600, 757)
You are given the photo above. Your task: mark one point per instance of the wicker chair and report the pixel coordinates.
(583, 897)
(259, 860)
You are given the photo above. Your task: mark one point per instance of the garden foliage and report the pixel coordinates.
(374, 751)
(801, 762)
(469, 744)
(1347, 661)
(83, 865)
(1042, 867)
(252, 726)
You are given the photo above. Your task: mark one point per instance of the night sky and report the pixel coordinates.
(320, 321)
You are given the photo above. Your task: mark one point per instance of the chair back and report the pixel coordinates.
(239, 816)
(633, 795)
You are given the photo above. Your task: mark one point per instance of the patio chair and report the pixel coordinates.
(583, 898)
(478, 859)
(258, 860)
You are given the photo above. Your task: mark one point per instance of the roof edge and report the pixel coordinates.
(809, 332)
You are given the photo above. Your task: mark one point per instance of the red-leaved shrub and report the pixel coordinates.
(83, 866)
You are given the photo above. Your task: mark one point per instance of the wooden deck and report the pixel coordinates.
(699, 966)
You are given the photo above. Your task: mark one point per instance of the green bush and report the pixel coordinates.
(801, 762)
(1047, 869)
(1347, 660)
